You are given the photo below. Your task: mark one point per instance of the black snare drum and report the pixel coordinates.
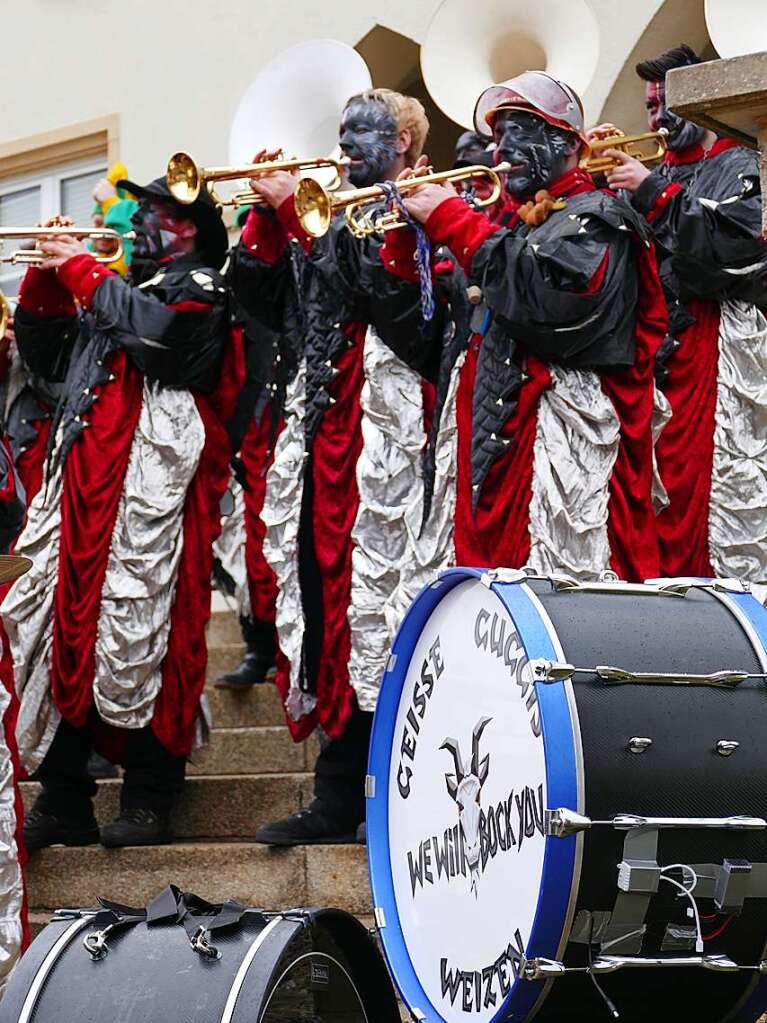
(566, 801)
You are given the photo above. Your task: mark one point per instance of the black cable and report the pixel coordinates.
(605, 998)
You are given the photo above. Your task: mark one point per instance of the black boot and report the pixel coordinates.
(338, 808)
(43, 829)
(63, 812)
(257, 665)
(316, 825)
(137, 826)
(152, 782)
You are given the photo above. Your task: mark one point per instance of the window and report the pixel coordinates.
(26, 200)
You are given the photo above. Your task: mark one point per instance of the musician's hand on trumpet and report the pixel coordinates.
(275, 187)
(421, 202)
(608, 130)
(628, 173)
(58, 248)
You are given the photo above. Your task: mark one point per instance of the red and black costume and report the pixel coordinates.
(107, 630)
(555, 404)
(355, 353)
(705, 212)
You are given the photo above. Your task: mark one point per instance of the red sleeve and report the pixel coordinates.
(82, 275)
(663, 200)
(398, 254)
(43, 294)
(263, 235)
(291, 223)
(455, 224)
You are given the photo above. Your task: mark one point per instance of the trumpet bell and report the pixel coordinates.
(495, 40)
(314, 208)
(184, 178)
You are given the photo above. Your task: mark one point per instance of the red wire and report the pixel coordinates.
(726, 923)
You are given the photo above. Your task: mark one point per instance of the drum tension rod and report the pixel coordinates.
(543, 670)
(540, 968)
(563, 822)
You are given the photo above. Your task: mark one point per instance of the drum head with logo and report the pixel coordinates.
(462, 767)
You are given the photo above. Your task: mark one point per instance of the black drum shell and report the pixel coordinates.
(680, 775)
(151, 973)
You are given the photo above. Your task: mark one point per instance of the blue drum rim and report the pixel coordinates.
(563, 772)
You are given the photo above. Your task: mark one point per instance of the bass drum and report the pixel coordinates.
(552, 839)
(207, 964)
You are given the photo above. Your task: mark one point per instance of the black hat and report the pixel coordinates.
(211, 231)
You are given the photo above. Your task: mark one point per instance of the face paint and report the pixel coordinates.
(368, 136)
(537, 151)
(157, 238)
(681, 133)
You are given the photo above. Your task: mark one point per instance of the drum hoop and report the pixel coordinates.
(564, 773)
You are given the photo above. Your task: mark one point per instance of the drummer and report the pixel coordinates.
(555, 402)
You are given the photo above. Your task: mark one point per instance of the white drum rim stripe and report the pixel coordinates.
(242, 972)
(47, 965)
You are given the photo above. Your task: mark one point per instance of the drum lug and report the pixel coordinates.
(380, 917)
(370, 786)
(639, 744)
(726, 747)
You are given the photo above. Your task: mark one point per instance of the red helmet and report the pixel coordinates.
(536, 92)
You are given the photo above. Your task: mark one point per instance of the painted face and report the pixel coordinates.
(537, 151)
(368, 136)
(158, 237)
(681, 133)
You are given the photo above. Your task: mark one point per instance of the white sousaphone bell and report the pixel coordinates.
(472, 44)
(295, 103)
(737, 27)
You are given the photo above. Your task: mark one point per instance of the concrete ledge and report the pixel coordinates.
(727, 96)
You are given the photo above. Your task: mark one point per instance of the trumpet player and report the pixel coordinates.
(107, 629)
(555, 402)
(704, 206)
(346, 463)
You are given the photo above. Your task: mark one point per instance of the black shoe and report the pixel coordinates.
(362, 834)
(254, 669)
(313, 826)
(100, 767)
(137, 826)
(44, 829)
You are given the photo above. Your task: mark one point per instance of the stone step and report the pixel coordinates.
(258, 705)
(223, 629)
(333, 875)
(216, 806)
(223, 658)
(261, 750)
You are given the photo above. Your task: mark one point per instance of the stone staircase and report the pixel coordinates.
(251, 773)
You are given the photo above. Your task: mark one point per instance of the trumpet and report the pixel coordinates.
(632, 145)
(315, 205)
(186, 178)
(33, 257)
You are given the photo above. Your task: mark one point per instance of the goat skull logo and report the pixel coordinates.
(465, 787)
